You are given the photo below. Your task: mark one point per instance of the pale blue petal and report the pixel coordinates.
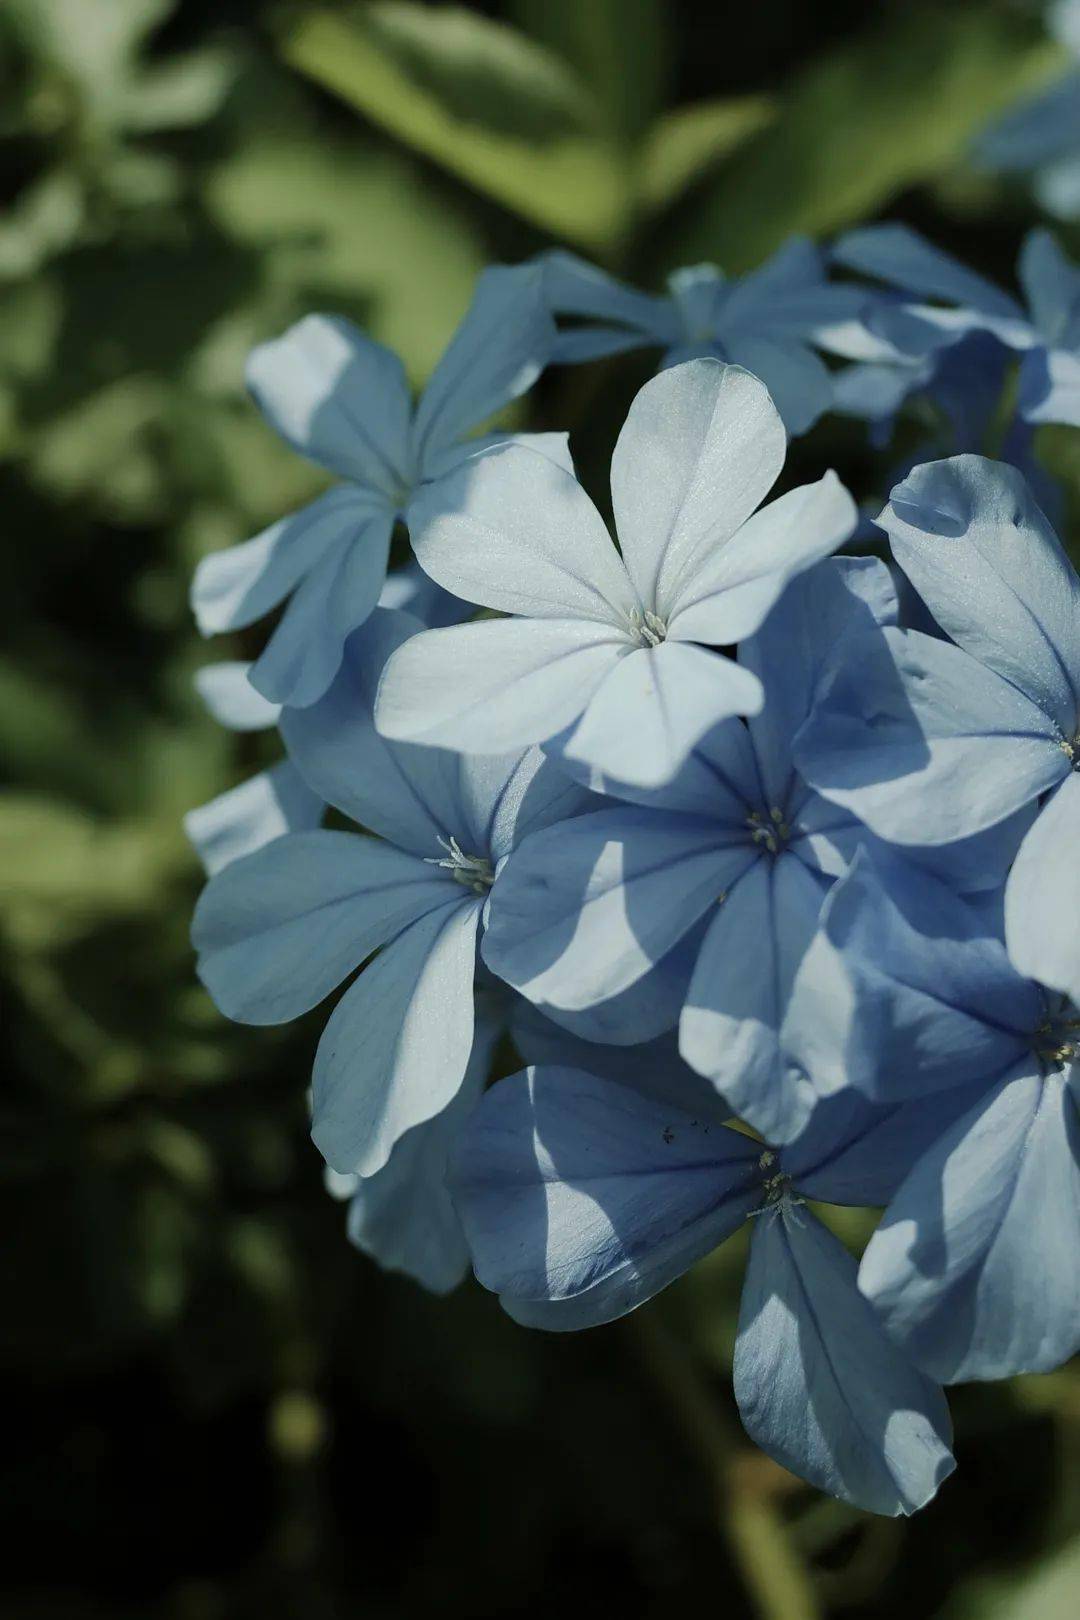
(235, 587)
(574, 287)
(337, 397)
(976, 547)
(582, 911)
(265, 807)
(1044, 128)
(700, 449)
(555, 446)
(646, 1010)
(925, 743)
(799, 383)
(496, 685)
(798, 646)
(718, 778)
(395, 1051)
(564, 1181)
(304, 653)
(973, 1268)
(1051, 284)
(403, 1216)
(580, 343)
(231, 698)
(731, 592)
(926, 998)
(408, 589)
(819, 1386)
(401, 791)
(902, 258)
(1042, 897)
(276, 931)
(506, 797)
(1050, 387)
(653, 706)
(512, 530)
(496, 354)
(730, 1025)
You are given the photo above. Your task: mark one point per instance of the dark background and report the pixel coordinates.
(218, 1409)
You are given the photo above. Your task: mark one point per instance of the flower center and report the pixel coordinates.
(776, 1186)
(1071, 750)
(648, 627)
(473, 872)
(768, 829)
(1056, 1041)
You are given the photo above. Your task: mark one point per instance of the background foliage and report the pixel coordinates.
(225, 1410)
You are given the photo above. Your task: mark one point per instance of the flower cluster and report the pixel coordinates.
(761, 857)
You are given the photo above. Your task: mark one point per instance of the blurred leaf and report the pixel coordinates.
(45, 219)
(891, 109)
(501, 112)
(101, 447)
(619, 48)
(341, 223)
(60, 870)
(181, 92)
(1050, 1593)
(685, 143)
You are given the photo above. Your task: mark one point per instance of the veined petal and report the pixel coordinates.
(927, 999)
(730, 1026)
(575, 287)
(276, 931)
(1051, 284)
(235, 587)
(1050, 387)
(498, 351)
(496, 685)
(971, 539)
(555, 446)
(304, 653)
(337, 397)
(265, 807)
(729, 595)
(583, 910)
(395, 1051)
(1042, 896)
(700, 448)
(564, 1181)
(512, 530)
(973, 1268)
(653, 706)
(799, 383)
(924, 743)
(820, 1387)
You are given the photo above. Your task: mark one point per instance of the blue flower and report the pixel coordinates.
(929, 740)
(973, 1268)
(1046, 334)
(279, 929)
(342, 400)
(728, 863)
(608, 641)
(581, 1199)
(765, 321)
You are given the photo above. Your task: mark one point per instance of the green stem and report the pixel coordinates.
(748, 1485)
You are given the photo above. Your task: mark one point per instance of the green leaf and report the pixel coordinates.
(687, 142)
(501, 112)
(892, 109)
(619, 48)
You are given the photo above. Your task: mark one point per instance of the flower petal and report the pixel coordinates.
(902, 258)
(583, 910)
(512, 530)
(653, 706)
(738, 996)
(971, 539)
(700, 448)
(304, 653)
(729, 596)
(496, 354)
(395, 1051)
(337, 397)
(495, 685)
(279, 929)
(265, 807)
(231, 698)
(973, 1268)
(924, 743)
(798, 382)
(1042, 897)
(819, 1386)
(564, 1181)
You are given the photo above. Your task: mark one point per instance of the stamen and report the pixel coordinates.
(471, 871)
(648, 627)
